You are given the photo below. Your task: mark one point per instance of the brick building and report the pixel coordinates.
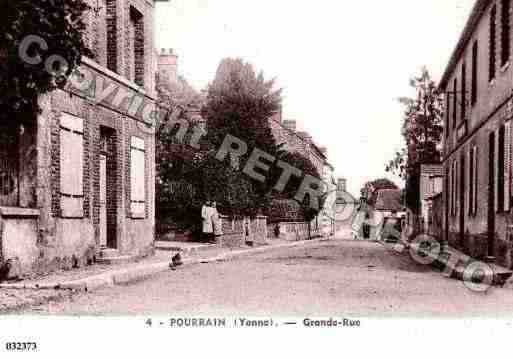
(77, 179)
(285, 132)
(477, 152)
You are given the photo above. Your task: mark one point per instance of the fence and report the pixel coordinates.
(295, 231)
(236, 232)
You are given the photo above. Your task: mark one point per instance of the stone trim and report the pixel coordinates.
(18, 212)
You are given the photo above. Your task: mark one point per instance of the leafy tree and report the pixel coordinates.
(179, 194)
(60, 24)
(240, 103)
(422, 131)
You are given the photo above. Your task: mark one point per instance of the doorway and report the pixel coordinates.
(107, 190)
(462, 199)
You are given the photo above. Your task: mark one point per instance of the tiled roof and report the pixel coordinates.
(389, 200)
(432, 170)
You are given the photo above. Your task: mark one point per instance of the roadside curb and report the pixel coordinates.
(452, 268)
(141, 272)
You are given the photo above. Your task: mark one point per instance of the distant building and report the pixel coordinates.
(389, 202)
(346, 206)
(431, 184)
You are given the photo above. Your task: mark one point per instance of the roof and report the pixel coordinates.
(433, 170)
(476, 14)
(389, 200)
(344, 197)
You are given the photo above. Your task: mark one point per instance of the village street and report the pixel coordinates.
(327, 278)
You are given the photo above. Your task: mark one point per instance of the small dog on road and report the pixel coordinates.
(176, 261)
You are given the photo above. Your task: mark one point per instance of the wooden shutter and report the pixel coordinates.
(71, 166)
(496, 174)
(137, 178)
(507, 166)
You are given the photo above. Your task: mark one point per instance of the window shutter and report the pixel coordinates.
(476, 178)
(496, 174)
(507, 166)
(137, 178)
(71, 166)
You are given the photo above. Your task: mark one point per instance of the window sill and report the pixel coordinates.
(138, 216)
(19, 212)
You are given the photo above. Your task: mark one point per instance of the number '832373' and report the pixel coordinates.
(21, 346)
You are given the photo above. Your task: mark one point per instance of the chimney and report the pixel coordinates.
(342, 182)
(168, 64)
(290, 125)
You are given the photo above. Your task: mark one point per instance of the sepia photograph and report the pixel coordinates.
(177, 176)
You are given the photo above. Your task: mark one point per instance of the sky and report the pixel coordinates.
(341, 64)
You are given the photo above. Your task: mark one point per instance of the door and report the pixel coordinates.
(491, 193)
(103, 200)
(462, 199)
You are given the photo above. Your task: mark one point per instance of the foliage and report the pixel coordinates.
(422, 132)
(60, 23)
(296, 159)
(240, 103)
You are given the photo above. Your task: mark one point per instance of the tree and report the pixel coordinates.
(59, 23)
(179, 192)
(240, 103)
(422, 132)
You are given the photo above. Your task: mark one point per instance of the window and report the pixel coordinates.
(137, 178)
(473, 185)
(137, 46)
(500, 175)
(506, 170)
(493, 45)
(473, 95)
(454, 103)
(505, 31)
(447, 114)
(463, 105)
(71, 166)
(112, 44)
(471, 181)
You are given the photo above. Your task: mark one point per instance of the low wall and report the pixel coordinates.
(234, 231)
(294, 231)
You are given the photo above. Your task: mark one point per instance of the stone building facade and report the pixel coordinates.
(477, 152)
(77, 181)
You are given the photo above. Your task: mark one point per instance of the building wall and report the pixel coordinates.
(492, 109)
(55, 242)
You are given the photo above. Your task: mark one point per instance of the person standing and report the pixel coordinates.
(206, 216)
(216, 222)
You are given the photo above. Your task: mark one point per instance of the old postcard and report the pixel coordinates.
(280, 172)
